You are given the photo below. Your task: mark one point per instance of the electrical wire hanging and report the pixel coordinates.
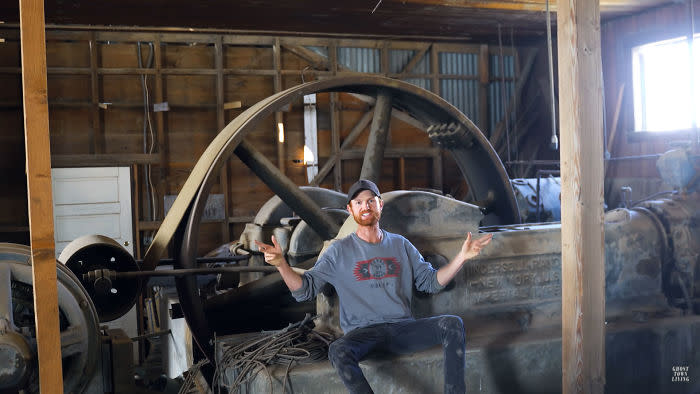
(147, 129)
(554, 141)
(298, 343)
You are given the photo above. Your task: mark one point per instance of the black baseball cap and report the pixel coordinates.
(362, 184)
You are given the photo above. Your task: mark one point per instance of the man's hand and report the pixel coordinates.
(472, 247)
(273, 253)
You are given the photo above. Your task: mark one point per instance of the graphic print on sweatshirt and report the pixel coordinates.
(377, 268)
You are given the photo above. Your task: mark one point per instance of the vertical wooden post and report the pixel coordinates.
(160, 120)
(279, 117)
(97, 140)
(221, 123)
(434, 70)
(484, 79)
(582, 231)
(335, 141)
(37, 146)
(335, 120)
(376, 143)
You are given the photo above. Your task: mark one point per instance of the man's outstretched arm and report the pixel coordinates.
(273, 256)
(470, 249)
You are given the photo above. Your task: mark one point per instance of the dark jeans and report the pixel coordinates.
(402, 337)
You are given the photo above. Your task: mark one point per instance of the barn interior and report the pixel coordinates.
(179, 132)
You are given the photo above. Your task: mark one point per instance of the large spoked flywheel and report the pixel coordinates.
(482, 169)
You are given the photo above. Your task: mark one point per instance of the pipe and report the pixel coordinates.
(554, 141)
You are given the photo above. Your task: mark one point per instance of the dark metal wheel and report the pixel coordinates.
(80, 342)
(482, 169)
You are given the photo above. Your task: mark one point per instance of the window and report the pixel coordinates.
(663, 97)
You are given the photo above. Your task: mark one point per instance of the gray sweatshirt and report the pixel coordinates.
(374, 281)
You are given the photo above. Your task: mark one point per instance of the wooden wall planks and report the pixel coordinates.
(96, 106)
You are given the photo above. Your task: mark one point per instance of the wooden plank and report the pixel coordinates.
(243, 71)
(248, 40)
(307, 41)
(163, 149)
(188, 71)
(377, 141)
(335, 118)
(38, 153)
(221, 123)
(582, 230)
(124, 71)
(97, 138)
(318, 62)
(434, 69)
(335, 141)
(395, 153)
(69, 70)
(414, 61)
(437, 169)
(484, 79)
(396, 113)
(461, 48)
(10, 70)
(103, 160)
(63, 35)
(384, 58)
(613, 127)
(116, 36)
(410, 45)
(279, 117)
(359, 43)
(349, 140)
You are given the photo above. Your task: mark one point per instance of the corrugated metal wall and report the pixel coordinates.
(365, 60)
(496, 101)
(461, 92)
(399, 58)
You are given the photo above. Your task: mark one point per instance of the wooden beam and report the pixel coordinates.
(533, 5)
(349, 140)
(335, 140)
(435, 70)
(376, 144)
(97, 138)
(37, 146)
(514, 100)
(163, 148)
(582, 230)
(279, 117)
(104, 160)
(484, 80)
(395, 153)
(396, 113)
(317, 62)
(221, 123)
(415, 59)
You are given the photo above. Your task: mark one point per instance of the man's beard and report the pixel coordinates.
(370, 220)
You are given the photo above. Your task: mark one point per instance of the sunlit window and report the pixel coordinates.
(663, 97)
